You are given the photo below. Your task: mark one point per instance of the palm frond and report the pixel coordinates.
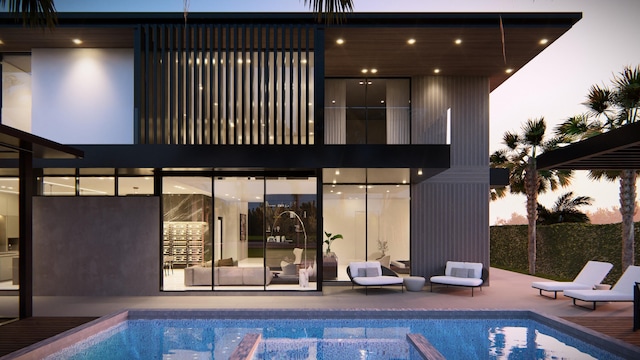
(599, 101)
(498, 193)
(33, 13)
(498, 158)
(627, 88)
(608, 175)
(578, 127)
(330, 10)
(533, 131)
(512, 140)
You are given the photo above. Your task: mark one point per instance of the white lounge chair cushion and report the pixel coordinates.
(591, 274)
(599, 295)
(560, 285)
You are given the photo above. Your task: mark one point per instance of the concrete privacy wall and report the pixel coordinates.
(96, 246)
(450, 211)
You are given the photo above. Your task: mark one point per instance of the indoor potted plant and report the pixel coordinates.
(330, 238)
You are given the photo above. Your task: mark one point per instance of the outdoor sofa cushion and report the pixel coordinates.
(372, 274)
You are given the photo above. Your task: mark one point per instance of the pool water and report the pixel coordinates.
(332, 339)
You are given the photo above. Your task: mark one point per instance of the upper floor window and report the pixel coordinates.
(367, 111)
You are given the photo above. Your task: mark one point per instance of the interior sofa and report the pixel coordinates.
(227, 275)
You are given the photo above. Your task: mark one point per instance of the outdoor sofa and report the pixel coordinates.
(371, 273)
(457, 273)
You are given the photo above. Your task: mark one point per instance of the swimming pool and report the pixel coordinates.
(304, 334)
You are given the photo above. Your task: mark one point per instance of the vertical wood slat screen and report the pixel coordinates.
(221, 84)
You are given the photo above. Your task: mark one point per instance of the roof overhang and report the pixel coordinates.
(13, 141)
(491, 42)
(617, 149)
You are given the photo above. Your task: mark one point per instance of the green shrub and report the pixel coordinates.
(563, 249)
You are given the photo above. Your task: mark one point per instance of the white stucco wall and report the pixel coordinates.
(83, 96)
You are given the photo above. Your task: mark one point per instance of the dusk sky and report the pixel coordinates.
(552, 86)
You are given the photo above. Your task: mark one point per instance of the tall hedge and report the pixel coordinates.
(563, 249)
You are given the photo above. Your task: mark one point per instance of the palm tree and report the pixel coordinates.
(35, 13)
(524, 178)
(331, 10)
(41, 13)
(611, 108)
(564, 210)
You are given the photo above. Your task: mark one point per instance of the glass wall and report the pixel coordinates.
(186, 228)
(367, 111)
(9, 240)
(290, 209)
(16, 91)
(370, 209)
(260, 234)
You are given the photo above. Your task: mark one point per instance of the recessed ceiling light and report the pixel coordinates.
(458, 41)
(381, 101)
(340, 41)
(509, 71)
(544, 41)
(411, 41)
(77, 41)
(337, 172)
(364, 71)
(437, 71)
(1, 42)
(373, 71)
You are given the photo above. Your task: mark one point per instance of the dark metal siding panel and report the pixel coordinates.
(469, 121)
(450, 211)
(449, 222)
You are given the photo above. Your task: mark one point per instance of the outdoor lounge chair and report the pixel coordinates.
(622, 291)
(591, 274)
(457, 273)
(371, 273)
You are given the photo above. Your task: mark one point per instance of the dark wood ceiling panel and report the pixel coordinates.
(372, 40)
(479, 54)
(18, 39)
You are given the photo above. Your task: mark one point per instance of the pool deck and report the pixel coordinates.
(508, 291)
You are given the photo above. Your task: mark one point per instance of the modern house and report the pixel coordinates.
(219, 150)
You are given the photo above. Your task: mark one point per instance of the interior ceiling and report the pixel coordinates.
(480, 53)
